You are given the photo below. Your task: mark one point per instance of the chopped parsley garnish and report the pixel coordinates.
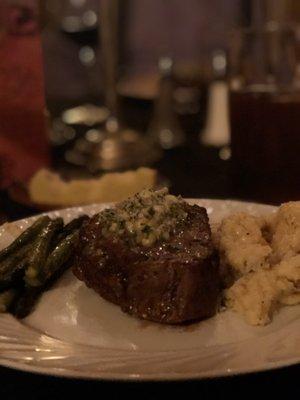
(146, 217)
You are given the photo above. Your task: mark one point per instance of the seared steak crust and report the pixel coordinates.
(173, 281)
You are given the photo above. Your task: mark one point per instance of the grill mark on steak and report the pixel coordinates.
(174, 281)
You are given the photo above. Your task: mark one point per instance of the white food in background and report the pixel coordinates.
(47, 187)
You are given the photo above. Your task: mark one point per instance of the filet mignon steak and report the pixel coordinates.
(172, 281)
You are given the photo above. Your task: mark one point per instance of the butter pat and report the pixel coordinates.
(146, 217)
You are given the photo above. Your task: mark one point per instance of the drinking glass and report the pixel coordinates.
(115, 147)
(165, 126)
(72, 82)
(265, 106)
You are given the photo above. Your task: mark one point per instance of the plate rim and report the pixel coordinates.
(162, 377)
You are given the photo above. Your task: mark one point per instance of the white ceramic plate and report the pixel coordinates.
(74, 332)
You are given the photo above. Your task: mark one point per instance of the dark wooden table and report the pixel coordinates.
(19, 385)
(193, 171)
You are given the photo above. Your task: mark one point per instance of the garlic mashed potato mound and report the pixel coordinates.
(286, 231)
(258, 295)
(48, 188)
(242, 245)
(267, 267)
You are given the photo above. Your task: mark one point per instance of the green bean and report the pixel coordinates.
(12, 268)
(24, 301)
(57, 262)
(71, 227)
(6, 299)
(41, 250)
(58, 257)
(24, 237)
(43, 262)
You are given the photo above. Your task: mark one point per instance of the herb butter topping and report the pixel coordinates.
(146, 217)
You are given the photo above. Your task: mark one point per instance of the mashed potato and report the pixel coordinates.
(242, 245)
(286, 231)
(267, 273)
(257, 295)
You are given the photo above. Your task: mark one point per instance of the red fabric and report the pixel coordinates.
(17, 162)
(23, 142)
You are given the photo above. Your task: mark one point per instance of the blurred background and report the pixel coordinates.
(150, 29)
(91, 86)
